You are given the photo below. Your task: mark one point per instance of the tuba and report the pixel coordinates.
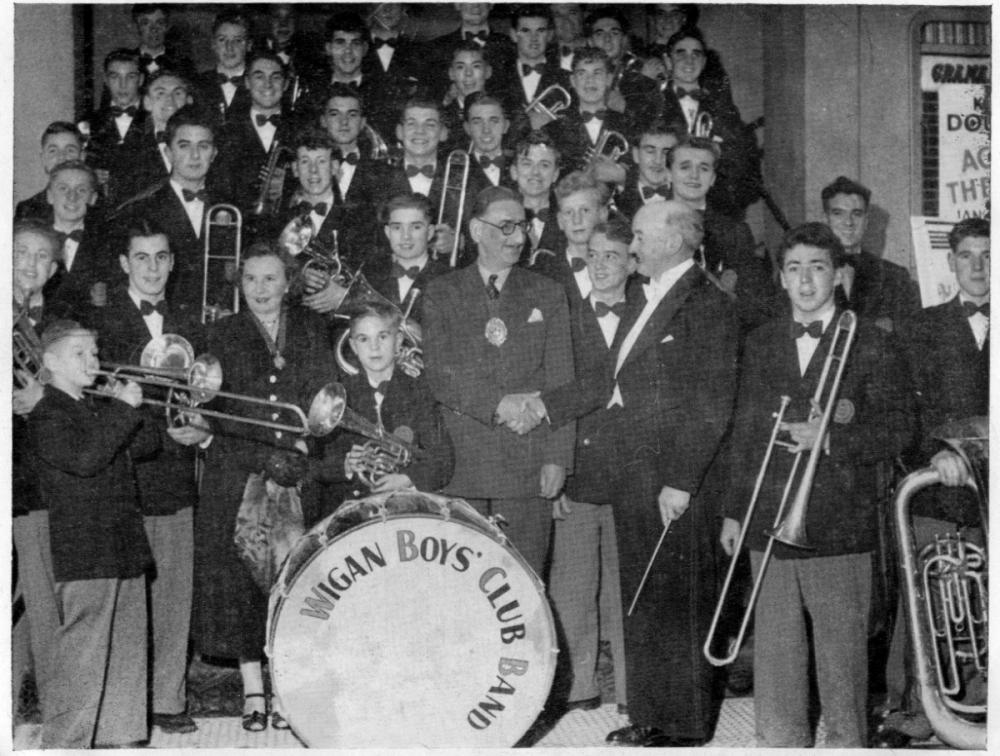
(946, 596)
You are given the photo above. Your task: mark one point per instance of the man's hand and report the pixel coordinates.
(392, 482)
(521, 413)
(129, 392)
(25, 399)
(951, 467)
(561, 508)
(804, 435)
(730, 535)
(607, 170)
(443, 241)
(538, 119)
(315, 280)
(326, 299)
(188, 435)
(552, 479)
(353, 461)
(673, 503)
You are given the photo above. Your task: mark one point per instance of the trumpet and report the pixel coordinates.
(550, 102)
(703, 125)
(456, 181)
(27, 351)
(221, 218)
(788, 528)
(610, 144)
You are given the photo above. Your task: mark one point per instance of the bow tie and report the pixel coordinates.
(565, 50)
(486, 162)
(261, 119)
(538, 68)
(970, 309)
(648, 191)
(35, 313)
(600, 115)
(426, 170)
(190, 196)
(479, 36)
(351, 158)
(542, 214)
(147, 308)
(398, 271)
(694, 94)
(577, 264)
(147, 60)
(223, 79)
(160, 137)
(814, 329)
(76, 236)
(382, 388)
(117, 112)
(390, 42)
(319, 208)
(618, 308)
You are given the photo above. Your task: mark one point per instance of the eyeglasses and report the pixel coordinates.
(508, 227)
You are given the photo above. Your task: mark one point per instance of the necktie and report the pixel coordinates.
(480, 37)
(971, 309)
(486, 162)
(319, 208)
(527, 70)
(161, 137)
(618, 308)
(119, 112)
(542, 214)
(398, 271)
(577, 264)
(491, 288)
(190, 196)
(814, 329)
(694, 94)
(390, 42)
(76, 236)
(648, 191)
(351, 158)
(223, 79)
(261, 119)
(147, 308)
(426, 170)
(600, 115)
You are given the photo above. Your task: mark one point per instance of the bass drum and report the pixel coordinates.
(407, 620)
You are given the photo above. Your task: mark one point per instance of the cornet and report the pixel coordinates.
(550, 102)
(224, 220)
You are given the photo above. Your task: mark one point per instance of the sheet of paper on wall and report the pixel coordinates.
(930, 252)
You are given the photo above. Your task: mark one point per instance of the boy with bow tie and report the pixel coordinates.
(468, 73)
(61, 141)
(151, 23)
(223, 88)
(534, 169)
(486, 125)
(648, 180)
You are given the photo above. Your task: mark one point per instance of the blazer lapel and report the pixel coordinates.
(656, 327)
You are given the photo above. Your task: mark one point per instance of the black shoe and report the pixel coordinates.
(175, 723)
(886, 737)
(584, 704)
(661, 740)
(635, 736)
(110, 747)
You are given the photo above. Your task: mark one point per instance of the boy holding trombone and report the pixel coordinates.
(849, 409)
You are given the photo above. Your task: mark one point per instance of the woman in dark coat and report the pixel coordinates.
(280, 353)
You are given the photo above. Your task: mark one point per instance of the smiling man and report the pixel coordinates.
(223, 88)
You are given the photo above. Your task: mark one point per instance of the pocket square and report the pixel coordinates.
(535, 316)
(667, 339)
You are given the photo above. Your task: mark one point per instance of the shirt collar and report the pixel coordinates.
(501, 276)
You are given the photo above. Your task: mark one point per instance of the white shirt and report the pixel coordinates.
(195, 209)
(405, 283)
(420, 183)
(229, 89)
(501, 277)
(265, 132)
(652, 198)
(122, 123)
(690, 107)
(69, 252)
(583, 282)
(806, 344)
(979, 323)
(593, 127)
(385, 52)
(154, 321)
(318, 220)
(346, 174)
(492, 173)
(529, 83)
(609, 325)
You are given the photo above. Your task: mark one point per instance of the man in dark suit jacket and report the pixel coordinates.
(394, 58)
(298, 51)
(872, 287)
(486, 125)
(494, 329)
(222, 89)
(535, 168)
(61, 142)
(648, 180)
(870, 421)
(474, 27)
(155, 51)
(674, 379)
(136, 313)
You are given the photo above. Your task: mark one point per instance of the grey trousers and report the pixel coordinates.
(99, 665)
(835, 592)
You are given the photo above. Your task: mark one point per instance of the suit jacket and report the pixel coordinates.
(557, 268)
(81, 450)
(141, 166)
(506, 84)
(208, 94)
(165, 478)
(499, 52)
(469, 375)
(107, 148)
(573, 139)
(882, 289)
(93, 263)
(36, 206)
(242, 157)
(629, 199)
(872, 423)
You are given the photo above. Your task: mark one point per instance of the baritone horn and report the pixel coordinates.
(788, 528)
(946, 597)
(550, 102)
(219, 268)
(452, 207)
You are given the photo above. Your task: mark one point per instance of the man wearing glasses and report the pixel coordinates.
(495, 330)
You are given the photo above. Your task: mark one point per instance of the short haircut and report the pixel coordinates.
(142, 228)
(582, 181)
(122, 55)
(264, 54)
(190, 115)
(696, 143)
(616, 228)
(315, 138)
(339, 89)
(590, 55)
(529, 10)
(147, 9)
(63, 329)
(688, 221)
(374, 309)
(844, 185)
(409, 200)
(347, 22)
(812, 234)
(978, 227)
(687, 32)
(491, 195)
(268, 248)
(689, 10)
(481, 98)
(660, 127)
(426, 103)
(39, 227)
(467, 46)
(234, 17)
(537, 137)
(73, 165)
(604, 12)
(61, 127)
(162, 73)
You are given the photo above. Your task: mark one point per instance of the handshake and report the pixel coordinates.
(521, 413)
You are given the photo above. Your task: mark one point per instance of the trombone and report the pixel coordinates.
(788, 528)
(456, 181)
(550, 102)
(229, 218)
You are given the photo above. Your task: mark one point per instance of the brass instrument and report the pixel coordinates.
(630, 62)
(550, 102)
(228, 219)
(298, 238)
(720, 278)
(610, 144)
(379, 148)
(271, 180)
(946, 598)
(27, 351)
(788, 528)
(456, 181)
(703, 125)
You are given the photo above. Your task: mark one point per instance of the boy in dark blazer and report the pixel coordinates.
(648, 179)
(534, 169)
(61, 142)
(222, 89)
(99, 549)
(830, 581)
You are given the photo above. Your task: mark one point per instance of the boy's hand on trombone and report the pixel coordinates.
(804, 435)
(443, 241)
(194, 431)
(129, 392)
(730, 535)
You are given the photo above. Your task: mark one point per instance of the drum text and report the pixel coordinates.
(432, 549)
(339, 579)
(482, 715)
(505, 613)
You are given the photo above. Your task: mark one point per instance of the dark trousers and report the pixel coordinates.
(528, 525)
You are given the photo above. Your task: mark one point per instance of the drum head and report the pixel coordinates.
(413, 629)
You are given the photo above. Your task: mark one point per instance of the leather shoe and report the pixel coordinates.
(584, 704)
(175, 723)
(115, 746)
(633, 735)
(661, 740)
